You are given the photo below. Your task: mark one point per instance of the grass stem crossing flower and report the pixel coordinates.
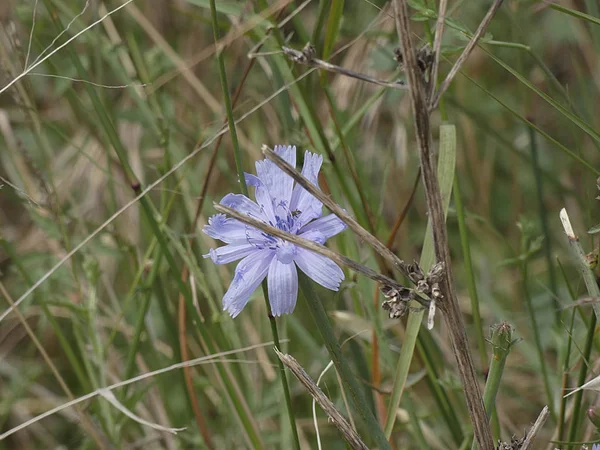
(283, 204)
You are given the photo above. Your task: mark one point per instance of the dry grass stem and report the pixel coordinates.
(437, 47)
(306, 57)
(539, 423)
(465, 54)
(336, 417)
(449, 303)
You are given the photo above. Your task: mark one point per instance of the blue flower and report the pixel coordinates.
(289, 207)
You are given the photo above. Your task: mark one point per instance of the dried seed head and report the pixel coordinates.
(415, 273)
(514, 444)
(396, 308)
(309, 52)
(396, 302)
(436, 273)
(423, 286)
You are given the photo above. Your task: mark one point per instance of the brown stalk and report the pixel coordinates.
(336, 417)
(539, 423)
(465, 54)
(437, 47)
(449, 304)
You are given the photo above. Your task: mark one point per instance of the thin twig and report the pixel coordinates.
(306, 57)
(336, 417)
(539, 423)
(437, 47)
(449, 302)
(465, 54)
(363, 234)
(321, 250)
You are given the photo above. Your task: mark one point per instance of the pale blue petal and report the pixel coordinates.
(225, 229)
(301, 199)
(251, 180)
(321, 269)
(265, 201)
(231, 252)
(248, 275)
(279, 184)
(315, 236)
(283, 287)
(243, 204)
(327, 227)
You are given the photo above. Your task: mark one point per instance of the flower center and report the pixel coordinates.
(286, 251)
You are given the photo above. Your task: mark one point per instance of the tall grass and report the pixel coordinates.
(121, 125)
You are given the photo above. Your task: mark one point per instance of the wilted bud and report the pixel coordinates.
(593, 414)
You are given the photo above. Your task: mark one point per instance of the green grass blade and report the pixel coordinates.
(574, 13)
(333, 347)
(577, 121)
(446, 169)
(468, 263)
(557, 144)
(333, 26)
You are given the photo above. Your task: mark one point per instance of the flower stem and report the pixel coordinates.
(284, 383)
(244, 188)
(333, 347)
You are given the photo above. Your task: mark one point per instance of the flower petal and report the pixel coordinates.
(265, 201)
(243, 204)
(321, 269)
(301, 199)
(229, 253)
(283, 287)
(248, 275)
(225, 229)
(322, 229)
(279, 184)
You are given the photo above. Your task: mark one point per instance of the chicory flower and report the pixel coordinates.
(288, 206)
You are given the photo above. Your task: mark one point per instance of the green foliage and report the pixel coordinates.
(516, 139)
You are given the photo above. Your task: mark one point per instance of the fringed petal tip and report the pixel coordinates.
(284, 150)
